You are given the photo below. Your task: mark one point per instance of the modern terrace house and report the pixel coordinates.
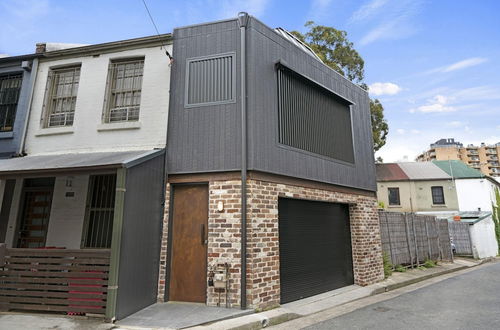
(269, 152)
(270, 195)
(88, 194)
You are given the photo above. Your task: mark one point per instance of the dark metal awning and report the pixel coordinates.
(76, 161)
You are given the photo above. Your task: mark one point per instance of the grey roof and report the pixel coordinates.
(30, 164)
(423, 171)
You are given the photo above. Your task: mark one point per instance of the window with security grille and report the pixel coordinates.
(393, 196)
(100, 211)
(123, 96)
(312, 118)
(437, 195)
(10, 87)
(60, 96)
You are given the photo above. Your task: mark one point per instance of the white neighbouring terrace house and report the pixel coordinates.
(91, 180)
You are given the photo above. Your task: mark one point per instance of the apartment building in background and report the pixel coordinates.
(484, 158)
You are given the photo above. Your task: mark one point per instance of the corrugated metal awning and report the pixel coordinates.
(75, 161)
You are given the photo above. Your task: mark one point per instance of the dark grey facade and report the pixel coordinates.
(11, 139)
(140, 237)
(207, 138)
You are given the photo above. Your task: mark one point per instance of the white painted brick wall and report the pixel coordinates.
(89, 106)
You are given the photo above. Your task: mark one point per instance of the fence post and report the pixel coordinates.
(415, 237)
(439, 239)
(428, 238)
(389, 237)
(408, 238)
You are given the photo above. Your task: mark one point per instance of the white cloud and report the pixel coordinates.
(394, 19)
(438, 103)
(400, 131)
(467, 63)
(455, 123)
(387, 88)
(415, 131)
(318, 9)
(367, 10)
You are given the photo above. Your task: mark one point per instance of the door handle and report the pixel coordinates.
(204, 235)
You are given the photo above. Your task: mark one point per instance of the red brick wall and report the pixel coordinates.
(263, 280)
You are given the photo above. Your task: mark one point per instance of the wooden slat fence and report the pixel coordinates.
(460, 235)
(56, 280)
(410, 239)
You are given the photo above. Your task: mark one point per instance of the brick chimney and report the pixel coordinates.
(41, 48)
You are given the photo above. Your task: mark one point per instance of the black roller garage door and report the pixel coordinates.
(315, 248)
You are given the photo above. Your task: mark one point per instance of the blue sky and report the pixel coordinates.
(433, 64)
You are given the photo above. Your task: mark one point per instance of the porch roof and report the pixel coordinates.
(76, 161)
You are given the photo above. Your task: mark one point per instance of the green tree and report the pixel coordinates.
(336, 51)
(496, 216)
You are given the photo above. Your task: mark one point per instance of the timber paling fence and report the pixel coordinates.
(409, 239)
(460, 235)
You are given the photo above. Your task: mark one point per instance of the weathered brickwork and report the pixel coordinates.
(263, 278)
(223, 240)
(263, 245)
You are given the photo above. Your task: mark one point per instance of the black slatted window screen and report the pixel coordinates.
(210, 80)
(437, 195)
(312, 118)
(10, 88)
(393, 196)
(100, 211)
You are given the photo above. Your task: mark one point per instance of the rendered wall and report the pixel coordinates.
(484, 243)
(474, 194)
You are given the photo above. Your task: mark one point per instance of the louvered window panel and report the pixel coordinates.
(210, 80)
(312, 118)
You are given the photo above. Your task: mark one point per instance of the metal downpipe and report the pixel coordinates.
(242, 22)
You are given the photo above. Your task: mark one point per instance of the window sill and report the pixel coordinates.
(6, 135)
(394, 206)
(438, 205)
(55, 131)
(119, 126)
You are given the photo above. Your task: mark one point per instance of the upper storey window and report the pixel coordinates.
(210, 80)
(312, 118)
(60, 96)
(10, 87)
(123, 90)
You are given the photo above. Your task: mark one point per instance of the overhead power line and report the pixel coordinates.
(156, 28)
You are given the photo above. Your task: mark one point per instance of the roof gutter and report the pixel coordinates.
(242, 22)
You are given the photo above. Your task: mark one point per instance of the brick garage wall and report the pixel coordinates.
(263, 231)
(263, 278)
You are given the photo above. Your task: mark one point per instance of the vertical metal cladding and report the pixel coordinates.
(312, 118)
(210, 80)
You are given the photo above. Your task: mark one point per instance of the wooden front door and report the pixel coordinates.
(189, 225)
(35, 214)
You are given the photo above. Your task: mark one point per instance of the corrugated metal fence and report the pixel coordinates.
(410, 239)
(460, 235)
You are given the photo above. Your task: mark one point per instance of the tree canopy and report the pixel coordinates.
(336, 51)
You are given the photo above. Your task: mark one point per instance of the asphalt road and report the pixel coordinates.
(466, 301)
